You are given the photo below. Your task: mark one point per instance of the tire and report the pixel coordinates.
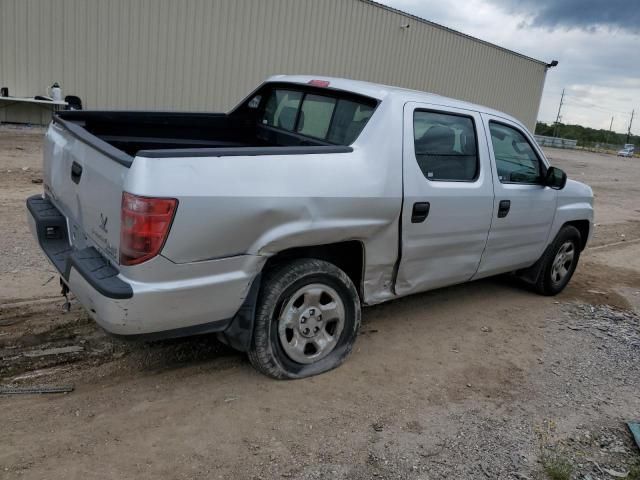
(298, 299)
(553, 279)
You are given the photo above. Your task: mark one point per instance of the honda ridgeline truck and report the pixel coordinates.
(275, 223)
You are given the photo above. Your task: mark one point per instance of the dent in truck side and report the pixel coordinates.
(446, 247)
(229, 209)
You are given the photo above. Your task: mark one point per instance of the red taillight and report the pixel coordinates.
(144, 227)
(319, 83)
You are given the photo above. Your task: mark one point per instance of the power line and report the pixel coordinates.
(606, 139)
(555, 130)
(630, 123)
(581, 103)
(585, 104)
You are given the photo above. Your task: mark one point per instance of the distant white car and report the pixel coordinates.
(626, 152)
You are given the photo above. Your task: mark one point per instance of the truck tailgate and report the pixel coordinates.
(86, 186)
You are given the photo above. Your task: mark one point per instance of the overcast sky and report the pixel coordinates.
(597, 43)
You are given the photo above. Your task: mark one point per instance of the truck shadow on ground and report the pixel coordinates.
(38, 338)
(33, 336)
(175, 352)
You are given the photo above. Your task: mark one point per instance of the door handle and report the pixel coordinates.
(76, 172)
(420, 212)
(503, 208)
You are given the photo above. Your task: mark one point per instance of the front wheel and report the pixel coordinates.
(307, 320)
(559, 262)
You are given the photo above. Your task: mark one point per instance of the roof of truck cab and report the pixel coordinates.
(380, 92)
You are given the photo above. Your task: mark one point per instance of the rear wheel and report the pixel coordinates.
(307, 320)
(559, 262)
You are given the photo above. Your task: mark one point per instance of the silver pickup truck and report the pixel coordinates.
(273, 224)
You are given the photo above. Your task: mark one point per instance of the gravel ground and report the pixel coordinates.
(485, 380)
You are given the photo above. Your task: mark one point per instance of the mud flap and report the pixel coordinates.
(531, 274)
(239, 333)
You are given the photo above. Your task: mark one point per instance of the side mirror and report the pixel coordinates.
(555, 178)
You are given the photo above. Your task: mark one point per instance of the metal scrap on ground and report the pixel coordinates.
(34, 389)
(635, 431)
(54, 351)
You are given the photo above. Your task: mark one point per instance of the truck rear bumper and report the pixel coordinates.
(185, 305)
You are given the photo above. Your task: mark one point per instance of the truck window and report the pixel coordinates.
(282, 109)
(445, 146)
(325, 117)
(315, 116)
(348, 121)
(516, 161)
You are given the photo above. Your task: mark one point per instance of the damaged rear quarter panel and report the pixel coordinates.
(261, 205)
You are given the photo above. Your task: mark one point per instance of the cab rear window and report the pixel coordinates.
(281, 109)
(325, 117)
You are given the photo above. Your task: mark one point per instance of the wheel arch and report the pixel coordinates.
(348, 255)
(531, 274)
(583, 227)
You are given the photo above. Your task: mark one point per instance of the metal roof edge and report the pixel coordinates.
(451, 30)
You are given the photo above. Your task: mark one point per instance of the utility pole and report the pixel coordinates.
(555, 130)
(630, 123)
(606, 140)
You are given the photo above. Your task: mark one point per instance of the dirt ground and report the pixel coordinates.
(484, 380)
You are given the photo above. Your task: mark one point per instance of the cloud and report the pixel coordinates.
(588, 15)
(598, 68)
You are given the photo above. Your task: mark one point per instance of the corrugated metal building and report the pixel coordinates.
(207, 54)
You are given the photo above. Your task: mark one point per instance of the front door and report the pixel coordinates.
(448, 197)
(524, 208)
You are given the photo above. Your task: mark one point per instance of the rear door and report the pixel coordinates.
(524, 208)
(448, 197)
(86, 186)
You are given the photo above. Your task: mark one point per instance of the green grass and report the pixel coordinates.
(556, 467)
(634, 472)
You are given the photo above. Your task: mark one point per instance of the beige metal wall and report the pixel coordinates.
(206, 54)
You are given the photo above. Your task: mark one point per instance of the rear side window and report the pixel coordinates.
(516, 161)
(325, 117)
(348, 121)
(446, 146)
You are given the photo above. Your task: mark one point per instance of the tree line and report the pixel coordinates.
(584, 135)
